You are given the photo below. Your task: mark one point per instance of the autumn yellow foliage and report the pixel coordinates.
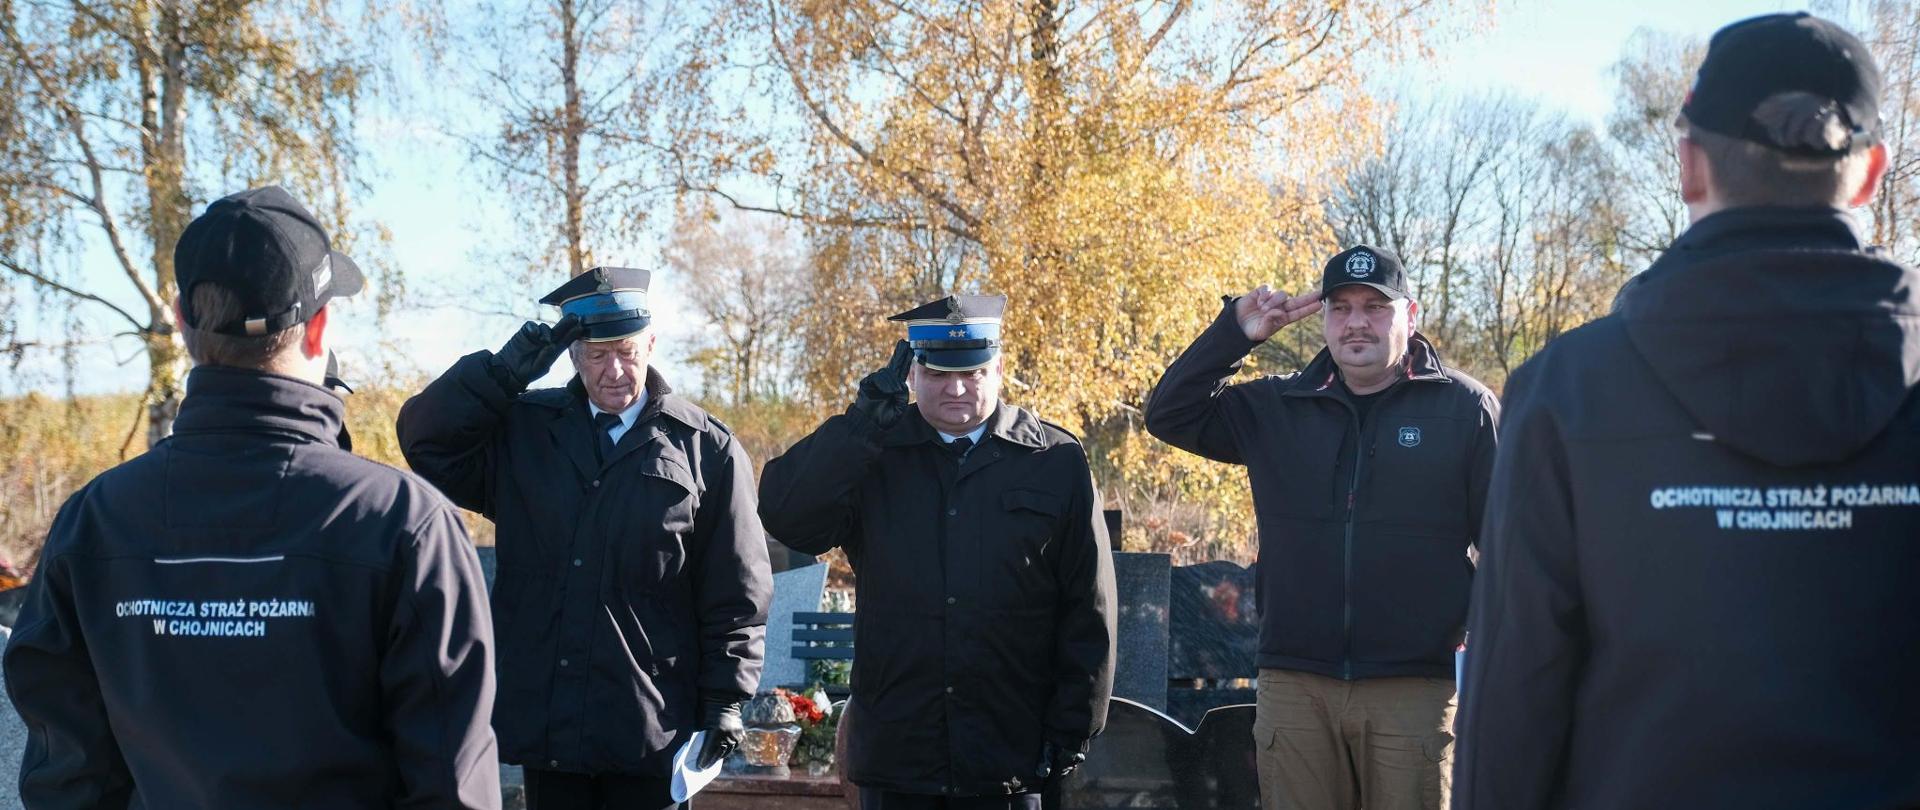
(1111, 167)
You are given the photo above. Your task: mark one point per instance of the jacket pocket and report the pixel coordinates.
(1418, 473)
(650, 528)
(1032, 512)
(1300, 468)
(669, 482)
(1015, 556)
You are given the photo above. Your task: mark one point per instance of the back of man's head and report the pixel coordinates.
(212, 302)
(1785, 111)
(254, 271)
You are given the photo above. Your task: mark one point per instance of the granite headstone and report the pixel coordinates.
(13, 742)
(1215, 638)
(489, 564)
(1141, 582)
(796, 590)
(1146, 759)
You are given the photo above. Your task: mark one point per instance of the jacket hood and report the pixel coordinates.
(1779, 333)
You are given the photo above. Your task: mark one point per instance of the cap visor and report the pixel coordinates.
(958, 359)
(614, 330)
(1384, 290)
(347, 278)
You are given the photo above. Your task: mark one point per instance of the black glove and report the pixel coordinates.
(532, 350)
(883, 394)
(720, 719)
(1057, 762)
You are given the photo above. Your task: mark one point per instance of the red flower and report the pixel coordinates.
(804, 710)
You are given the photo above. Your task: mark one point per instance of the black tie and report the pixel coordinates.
(605, 423)
(959, 447)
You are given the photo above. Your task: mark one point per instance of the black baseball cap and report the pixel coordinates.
(268, 250)
(1369, 265)
(1757, 60)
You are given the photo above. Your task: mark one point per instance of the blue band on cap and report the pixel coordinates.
(594, 308)
(953, 331)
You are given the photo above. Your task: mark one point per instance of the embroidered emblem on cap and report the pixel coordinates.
(1360, 265)
(323, 274)
(1409, 436)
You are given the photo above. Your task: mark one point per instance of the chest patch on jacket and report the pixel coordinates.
(1409, 437)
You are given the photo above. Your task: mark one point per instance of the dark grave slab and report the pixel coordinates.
(489, 564)
(11, 600)
(1141, 582)
(1146, 759)
(1213, 638)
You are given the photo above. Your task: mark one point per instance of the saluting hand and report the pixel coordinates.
(532, 350)
(1262, 312)
(883, 394)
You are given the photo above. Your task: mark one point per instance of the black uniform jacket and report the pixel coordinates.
(1697, 586)
(1364, 527)
(625, 590)
(247, 616)
(985, 619)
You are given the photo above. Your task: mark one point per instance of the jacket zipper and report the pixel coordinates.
(1346, 594)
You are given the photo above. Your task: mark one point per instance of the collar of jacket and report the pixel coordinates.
(1763, 226)
(659, 401)
(1422, 364)
(1008, 423)
(220, 398)
(1757, 227)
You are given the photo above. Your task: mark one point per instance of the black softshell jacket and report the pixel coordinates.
(1698, 577)
(1364, 527)
(247, 616)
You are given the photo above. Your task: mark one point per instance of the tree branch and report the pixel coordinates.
(1166, 26)
(832, 220)
(76, 123)
(866, 154)
(55, 285)
(113, 28)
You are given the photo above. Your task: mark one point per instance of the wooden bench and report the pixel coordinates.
(823, 637)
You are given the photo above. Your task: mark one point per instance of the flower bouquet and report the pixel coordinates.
(818, 725)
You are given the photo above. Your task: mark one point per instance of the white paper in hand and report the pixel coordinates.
(688, 778)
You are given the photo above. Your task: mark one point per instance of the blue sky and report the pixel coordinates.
(1554, 51)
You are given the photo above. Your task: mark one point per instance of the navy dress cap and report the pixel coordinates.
(955, 333)
(611, 302)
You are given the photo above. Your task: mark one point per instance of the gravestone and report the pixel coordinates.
(1214, 632)
(11, 600)
(1146, 759)
(795, 590)
(13, 742)
(489, 564)
(1141, 582)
